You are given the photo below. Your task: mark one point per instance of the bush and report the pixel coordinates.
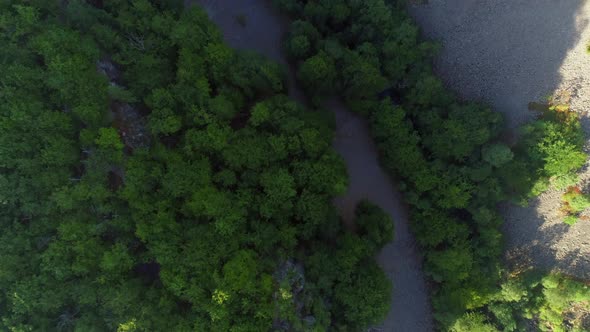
(555, 143)
(575, 201)
(473, 322)
(565, 181)
(497, 154)
(318, 73)
(546, 300)
(374, 225)
(571, 219)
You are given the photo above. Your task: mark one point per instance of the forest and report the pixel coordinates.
(154, 179)
(201, 217)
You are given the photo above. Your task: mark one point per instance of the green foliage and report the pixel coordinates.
(570, 219)
(360, 73)
(553, 147)
(373, 224)
(318, 73)
(361, 290)
(108, 138)
(197, 229)
(448, 155)
(504, 313)
(445, 152)
(549, 301)
(558, 149)
(575, 200)
(472, 322)
(565, 181)
(119, 94)
(364, 299)
(192, 230)
(497, 154)
(299, 46)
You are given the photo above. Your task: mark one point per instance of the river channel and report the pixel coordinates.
(262, 30)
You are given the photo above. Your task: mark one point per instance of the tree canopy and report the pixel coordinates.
(449, 155)
(154, 179)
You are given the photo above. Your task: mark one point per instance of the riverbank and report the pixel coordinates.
(262, 30)
(508, 54)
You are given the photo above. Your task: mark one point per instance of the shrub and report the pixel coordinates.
(565, 181)
(473, 322)
(374, 224)
(570, 219)
(497, 154)
(575, 201)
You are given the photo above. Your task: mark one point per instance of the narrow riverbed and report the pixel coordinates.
(263, 31)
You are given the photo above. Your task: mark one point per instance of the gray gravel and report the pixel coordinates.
(509, 53)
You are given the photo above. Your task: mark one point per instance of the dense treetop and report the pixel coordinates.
(153, 179)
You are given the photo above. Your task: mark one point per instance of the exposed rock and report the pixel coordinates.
(291, 275)
(132, 125)
(107, 68)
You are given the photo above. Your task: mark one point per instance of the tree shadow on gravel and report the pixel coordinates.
(531, 242)
(505, 52)
(508, 53)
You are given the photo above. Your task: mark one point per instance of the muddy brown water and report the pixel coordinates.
(256, 25)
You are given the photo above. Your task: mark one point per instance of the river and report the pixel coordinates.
(262, 30)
